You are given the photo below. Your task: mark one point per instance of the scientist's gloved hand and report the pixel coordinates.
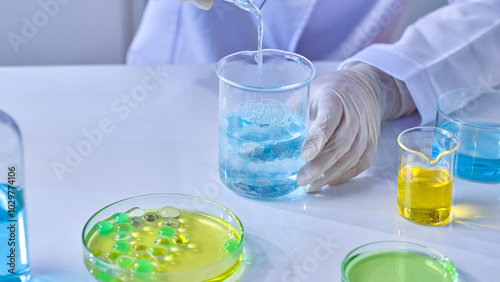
(202, 4)
(347, 108)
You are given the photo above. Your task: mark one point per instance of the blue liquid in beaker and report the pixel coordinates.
(478, 169)
(259, 149)
(478, 157)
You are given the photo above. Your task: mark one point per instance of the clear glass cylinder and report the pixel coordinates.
(425, 177)
(14, 261)
(263, 121)
(472, 115)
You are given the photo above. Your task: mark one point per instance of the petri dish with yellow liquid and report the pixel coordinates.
(397, 261)
(163, 237)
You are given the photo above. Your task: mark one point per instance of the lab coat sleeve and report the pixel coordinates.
(455, 46)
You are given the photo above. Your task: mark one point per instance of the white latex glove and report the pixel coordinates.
(347, 108)
(202, 4)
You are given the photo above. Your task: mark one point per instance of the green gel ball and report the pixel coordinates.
(172, 222)
(125, 261)
(136, 212)
(139, 247)
(166, 231)
(151, 217)
(143, 265)
(105, 277)
(112, 255)
(100, 263)
(123, 236)
(121, 246)
(230, 245)
(142, 255)
(124, 227)
(164, 241)
(157, 251)
(104, 227)
(169, 212)
(180, 239)
(137, 222)
(121, 217)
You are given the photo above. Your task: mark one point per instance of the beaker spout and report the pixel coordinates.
(248, 5)
(430, 143)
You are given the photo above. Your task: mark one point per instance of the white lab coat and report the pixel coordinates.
(455, 46)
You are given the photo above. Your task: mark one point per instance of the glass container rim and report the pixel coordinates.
(419, 246)
(266, 89)
(461, 122)
(117, 268)
(426, 128)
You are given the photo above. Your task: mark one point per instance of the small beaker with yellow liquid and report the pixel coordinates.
(425, 177)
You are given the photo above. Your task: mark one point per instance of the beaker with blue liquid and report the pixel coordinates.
(263, 121)
(474, 116)
(14, 261)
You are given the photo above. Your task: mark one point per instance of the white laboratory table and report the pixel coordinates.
(93, 136)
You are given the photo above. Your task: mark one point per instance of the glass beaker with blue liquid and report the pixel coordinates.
(474, 116)
(14, 262)
(263, 121)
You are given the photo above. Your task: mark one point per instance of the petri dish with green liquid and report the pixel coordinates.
(399, 261)
(163, 237)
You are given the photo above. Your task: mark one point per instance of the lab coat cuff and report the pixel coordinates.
(416, 77)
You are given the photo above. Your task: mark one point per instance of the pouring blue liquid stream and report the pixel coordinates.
(250, 6)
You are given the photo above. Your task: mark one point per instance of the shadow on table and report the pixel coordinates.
(54, 277)
(259, 258)
(466, 277)
(38, 279)
(477, 208)
(356, 202)
(354, 186)
(477, 216)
